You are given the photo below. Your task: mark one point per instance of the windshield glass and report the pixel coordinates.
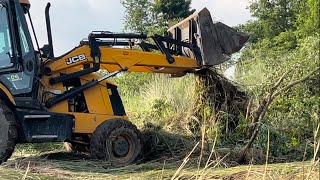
(25, 48)
(5, 39)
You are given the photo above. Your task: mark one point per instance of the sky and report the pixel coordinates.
(73, 20)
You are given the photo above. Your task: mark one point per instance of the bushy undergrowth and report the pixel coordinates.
(293, 117)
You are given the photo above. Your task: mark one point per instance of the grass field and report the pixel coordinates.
(54, 163)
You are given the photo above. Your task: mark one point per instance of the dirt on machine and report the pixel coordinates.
(48, 98)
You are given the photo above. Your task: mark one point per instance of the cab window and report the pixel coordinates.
(5, 39)
(25, 48)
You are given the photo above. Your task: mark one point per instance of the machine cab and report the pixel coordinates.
(17, 55)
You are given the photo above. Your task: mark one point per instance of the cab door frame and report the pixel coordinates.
(6, 4)
(20, 78)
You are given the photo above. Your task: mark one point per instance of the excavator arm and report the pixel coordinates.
(192, 45)
(112, 59)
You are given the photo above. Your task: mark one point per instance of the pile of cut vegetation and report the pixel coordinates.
(219, 103)
(218, 100)
(162, 145)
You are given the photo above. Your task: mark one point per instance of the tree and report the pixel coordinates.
(308, 17)
(273, 16)
(152, 16)
(140, 15)
(174, 9)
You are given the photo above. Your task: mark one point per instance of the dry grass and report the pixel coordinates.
(62, 165)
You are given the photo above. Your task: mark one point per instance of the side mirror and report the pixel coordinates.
(45, 51)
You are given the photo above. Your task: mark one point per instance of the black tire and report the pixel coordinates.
(8, 132)
(117, 141)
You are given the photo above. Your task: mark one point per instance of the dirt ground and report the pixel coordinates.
(58, 164)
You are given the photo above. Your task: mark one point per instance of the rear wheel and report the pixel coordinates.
(117, 141)
(8, 132)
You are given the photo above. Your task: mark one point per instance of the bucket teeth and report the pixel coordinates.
(216, 41)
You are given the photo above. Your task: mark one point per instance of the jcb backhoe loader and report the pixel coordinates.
(45, 98)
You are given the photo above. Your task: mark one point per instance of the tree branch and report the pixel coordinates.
(307, 77)
(261, 111)
(280, 81)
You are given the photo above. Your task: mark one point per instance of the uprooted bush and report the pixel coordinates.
(218, 104)
(217, 100)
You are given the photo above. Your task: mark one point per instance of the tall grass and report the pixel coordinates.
(177, 92)
(161, 101)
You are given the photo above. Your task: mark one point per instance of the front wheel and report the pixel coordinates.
(117, 141)
(8, 132)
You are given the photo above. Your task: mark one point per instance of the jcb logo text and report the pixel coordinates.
(76, 59)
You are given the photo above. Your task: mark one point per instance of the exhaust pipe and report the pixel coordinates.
(216, 41)
(48, 23)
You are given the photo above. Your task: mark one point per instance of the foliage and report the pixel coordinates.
(157, 98)
(308, 17)
(132, 83)
(285, 38)
(293, 116)
(273, 17)
(142, 16)
(153, 16)
(173, 9)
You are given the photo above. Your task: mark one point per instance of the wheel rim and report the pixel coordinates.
(122, 148)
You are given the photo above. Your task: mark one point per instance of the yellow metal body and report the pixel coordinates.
(137, 61)
(97, 97)
(24, 2)
(7, 93)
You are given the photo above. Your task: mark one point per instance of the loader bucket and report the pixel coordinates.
(216, 41)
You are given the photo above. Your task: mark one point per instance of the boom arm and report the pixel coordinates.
(191, 45)
(113, 59)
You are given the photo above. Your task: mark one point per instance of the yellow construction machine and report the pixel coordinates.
(47, 98)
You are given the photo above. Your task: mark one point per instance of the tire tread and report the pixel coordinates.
(104, 130)
(13, 133)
